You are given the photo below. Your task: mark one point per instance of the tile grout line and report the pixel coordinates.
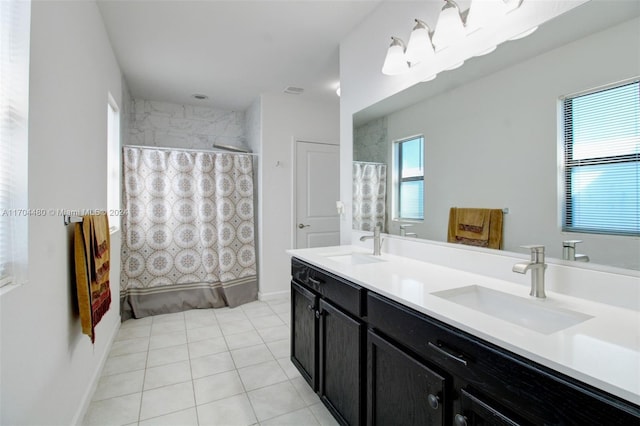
(246, 393)
(193, 385)
(267, 310)
(144, 375)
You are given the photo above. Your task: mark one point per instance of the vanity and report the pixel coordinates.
(392, 340)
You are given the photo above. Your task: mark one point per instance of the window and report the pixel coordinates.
(14, 107)
(601, 158)
(113, 163)
(409, 178)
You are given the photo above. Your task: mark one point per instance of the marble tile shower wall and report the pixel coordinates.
(370, 142)
(184, 126)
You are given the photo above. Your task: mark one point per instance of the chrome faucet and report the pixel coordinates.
(377, 241)
(537, 267)
(569, 251)
(404, 233)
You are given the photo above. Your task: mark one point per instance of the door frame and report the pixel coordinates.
(294, 198)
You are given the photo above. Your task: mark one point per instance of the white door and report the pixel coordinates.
(317, 183)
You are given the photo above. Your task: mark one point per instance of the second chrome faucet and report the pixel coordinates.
(537, 267)
(377, 241)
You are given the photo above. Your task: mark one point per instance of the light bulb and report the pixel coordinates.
(419, 48)
(449, 29)
(482, 12)
(395, 62)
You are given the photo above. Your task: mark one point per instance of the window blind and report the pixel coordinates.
(601, 161)
(14, 93)
(410, 178)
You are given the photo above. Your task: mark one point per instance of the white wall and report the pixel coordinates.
(500, 150)
(362, 54)
(285, 118)
(48, 366)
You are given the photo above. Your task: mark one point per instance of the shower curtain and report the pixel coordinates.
(188, 236)
(369, 195)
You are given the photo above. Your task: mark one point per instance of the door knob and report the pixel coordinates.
(460, 420)
(434, 401)
(301, 226)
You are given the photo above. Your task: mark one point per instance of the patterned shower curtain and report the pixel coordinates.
(188, 236)
(369, 195)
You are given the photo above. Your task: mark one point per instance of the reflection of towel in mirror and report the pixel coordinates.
(476, 227)
(91, 252)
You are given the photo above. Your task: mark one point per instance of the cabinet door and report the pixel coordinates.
(402, 390)
(341, 364)
(304, 333)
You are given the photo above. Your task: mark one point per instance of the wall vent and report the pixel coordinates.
(293, 90)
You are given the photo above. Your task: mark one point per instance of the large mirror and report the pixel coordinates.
(491, 133)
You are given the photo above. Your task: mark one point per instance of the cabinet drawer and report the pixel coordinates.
(478, 411)
(537, 393)
(348, 296)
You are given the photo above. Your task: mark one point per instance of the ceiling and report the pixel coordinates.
(231, 51)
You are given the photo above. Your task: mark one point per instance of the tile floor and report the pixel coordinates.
(206, 367)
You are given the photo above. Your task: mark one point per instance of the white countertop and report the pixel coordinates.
(603, 351)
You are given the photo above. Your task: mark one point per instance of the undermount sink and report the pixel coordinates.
(354, 258)
(528, 313)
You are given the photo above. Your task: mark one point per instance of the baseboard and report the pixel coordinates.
(274, 295)
(86, 399)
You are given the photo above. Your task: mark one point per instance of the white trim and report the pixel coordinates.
(78, 417)
(601, 88)
(274, 295)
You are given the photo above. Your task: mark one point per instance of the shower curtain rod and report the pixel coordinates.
(162, 148)
(369, 162)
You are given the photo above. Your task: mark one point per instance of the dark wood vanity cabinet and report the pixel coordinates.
(304, 331)
(341, 350)
(328, 339)
(402, 390)
(492, 386)
(375, 361)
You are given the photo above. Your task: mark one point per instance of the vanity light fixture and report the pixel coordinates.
(487, 51)
(454, 66)
(419, 48)
(395, 61)
(524, 34)
(450, 27)
(482, 12)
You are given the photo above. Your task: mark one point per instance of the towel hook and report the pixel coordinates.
(68, 219)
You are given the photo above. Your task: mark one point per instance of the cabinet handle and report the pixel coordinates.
(434, 401)
(314, 281)
(319, 314)
(441, 350)
(460, 420)
(310, 307)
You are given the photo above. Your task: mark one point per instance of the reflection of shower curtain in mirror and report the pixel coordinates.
(188, 237)
(369, 195)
